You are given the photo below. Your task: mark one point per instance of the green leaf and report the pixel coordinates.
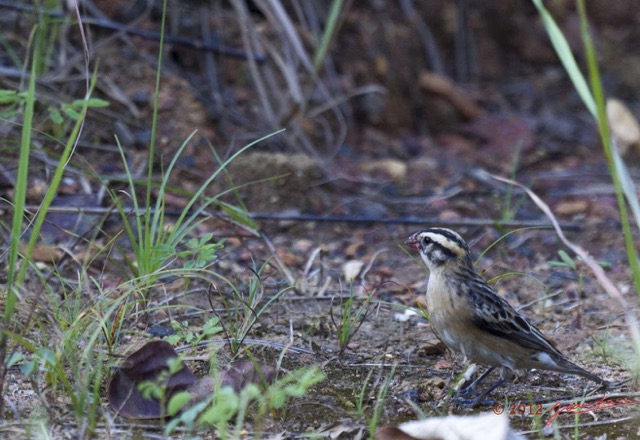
(9, 96)
(225, 405)
(92, 102)
(556, 263)
(55, 116)
(567, 259)
(173, 339)
(238, 215)
(177, 402)
(71, 113)
(14, 359)
(28, 368)
(47, 357)
(605, 264)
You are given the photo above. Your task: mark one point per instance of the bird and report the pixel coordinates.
(469, 317)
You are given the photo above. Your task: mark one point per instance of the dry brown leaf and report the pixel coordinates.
(624, 125)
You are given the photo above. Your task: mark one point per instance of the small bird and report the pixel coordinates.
(469, 317)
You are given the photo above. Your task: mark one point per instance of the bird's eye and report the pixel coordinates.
(426, 241)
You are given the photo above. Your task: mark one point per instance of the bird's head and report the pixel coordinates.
(439, 246)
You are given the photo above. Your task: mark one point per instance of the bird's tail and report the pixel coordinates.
(566, 366)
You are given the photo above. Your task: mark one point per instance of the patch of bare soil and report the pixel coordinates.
(417, 155)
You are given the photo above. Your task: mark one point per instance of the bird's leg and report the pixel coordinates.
(489, 390)
(468, 388)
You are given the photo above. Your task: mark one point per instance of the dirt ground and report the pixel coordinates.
(333, 218)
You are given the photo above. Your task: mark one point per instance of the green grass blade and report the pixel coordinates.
(563, 50)
(617, 168)
(187, 209)
(21, 182)
(594, 100)
(154, 129)
(56, 180)
(329, 33)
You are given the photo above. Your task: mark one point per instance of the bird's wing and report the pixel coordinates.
(496, 316)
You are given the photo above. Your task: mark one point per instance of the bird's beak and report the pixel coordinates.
(412, 242)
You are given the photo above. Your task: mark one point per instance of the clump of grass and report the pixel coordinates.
(244, 309)
(183, 333)
(383, 394)
(227, 410)
(352, 316)
(45, 358)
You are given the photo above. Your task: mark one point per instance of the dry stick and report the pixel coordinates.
(406, 220)
(324, 218)
(597, 270)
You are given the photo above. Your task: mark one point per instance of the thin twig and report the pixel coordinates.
(409, 220)
(329, 218)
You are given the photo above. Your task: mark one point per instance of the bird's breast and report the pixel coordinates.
(451, 313)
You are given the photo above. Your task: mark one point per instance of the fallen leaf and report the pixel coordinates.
(242, 373)
(149, 364)
(146, 364)
(624, 125)
(479, 427)
(45, 253)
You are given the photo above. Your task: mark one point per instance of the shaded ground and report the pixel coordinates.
(408, 154)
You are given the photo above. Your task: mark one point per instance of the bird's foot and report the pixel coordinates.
(464, 392)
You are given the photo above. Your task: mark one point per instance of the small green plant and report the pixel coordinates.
(156, 242)
(227, 408)
(381, 399)
(362, 396)
(184, 334)
(157, 389)
(352, 316)
(61, 114)
(243, 309)
(602, 341)
(58, 363)
(199, 252)
(54, 355)
(567, 262)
